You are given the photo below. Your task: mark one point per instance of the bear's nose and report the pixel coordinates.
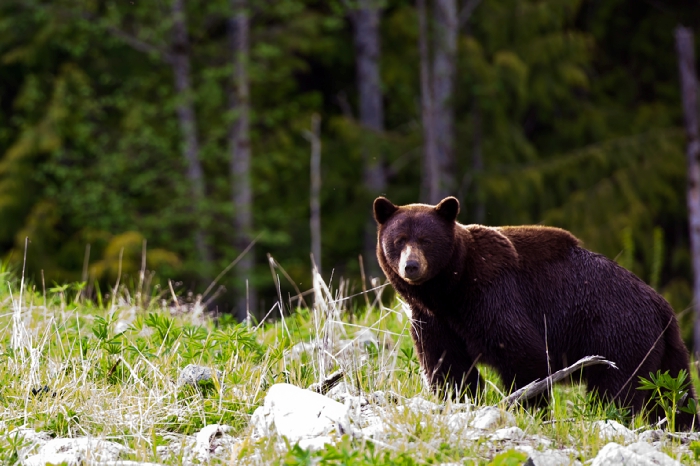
(412, 267)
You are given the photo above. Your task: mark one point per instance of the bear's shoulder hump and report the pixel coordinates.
(534, 242)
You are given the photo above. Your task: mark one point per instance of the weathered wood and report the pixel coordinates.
(689, 95)
(328, 382)
(188, 123)
(240, 161)
(538, 387)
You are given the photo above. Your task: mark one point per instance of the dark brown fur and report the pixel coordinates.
(508, 296)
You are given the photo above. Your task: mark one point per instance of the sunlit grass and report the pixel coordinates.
(108, 368)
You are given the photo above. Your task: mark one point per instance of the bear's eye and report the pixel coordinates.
(400, 241)
(424, 241)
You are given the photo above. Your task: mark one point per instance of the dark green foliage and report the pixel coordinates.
(567, 113)
(347, 453)
(670, 394)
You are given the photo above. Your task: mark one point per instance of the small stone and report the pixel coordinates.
(639, 454)
(315, 443)
(383, 398)
(76, 451)
(651, 436)
(613, 430)
(212, 440)
(490, 417)
(126, 463)
(66, 459)
(422, 406)
(508, 433)
(341, 391)
(193, 375)
(563, 457)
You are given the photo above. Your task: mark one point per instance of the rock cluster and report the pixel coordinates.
(292, 415)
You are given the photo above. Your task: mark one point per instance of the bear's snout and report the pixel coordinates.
(412, 266)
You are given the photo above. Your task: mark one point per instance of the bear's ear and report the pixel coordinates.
(383, 209)
(448, 208)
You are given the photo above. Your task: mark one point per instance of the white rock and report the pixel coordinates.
(212, 440)
(193, 374)
(490, 417)
(549, 457)
(297, 414)
(638, 454)
(371, 422)
(375, 430)
(652, 435)
(508, 433)
(341, 391)
(613, 430)
(422, 406)
(125, 463)
(76, 450)
(383, 398)
(458, 421)
(541, 440)
(315, 443)
(67, 459)
(458, 426)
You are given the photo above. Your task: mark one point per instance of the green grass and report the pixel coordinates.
(71, 367)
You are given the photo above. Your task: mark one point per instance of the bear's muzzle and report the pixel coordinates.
(413, 267)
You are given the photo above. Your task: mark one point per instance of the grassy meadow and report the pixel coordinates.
(108, 368)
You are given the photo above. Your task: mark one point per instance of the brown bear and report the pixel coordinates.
(524, 300)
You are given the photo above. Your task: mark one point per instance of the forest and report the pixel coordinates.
(185, 134)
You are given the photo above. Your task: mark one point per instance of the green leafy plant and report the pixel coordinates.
(670, 393)
(509, 458)
(695, 448)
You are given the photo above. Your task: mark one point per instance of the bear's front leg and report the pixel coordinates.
(443, 357)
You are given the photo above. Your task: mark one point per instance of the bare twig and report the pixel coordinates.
(172, 292)
(228, 267)
(537, 387)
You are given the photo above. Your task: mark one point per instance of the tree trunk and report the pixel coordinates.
(689, 96)
(430, 178)
(477, 165)
(444, 67)
(239, 143)
(188, 127)
(367, 55)
(314, 136)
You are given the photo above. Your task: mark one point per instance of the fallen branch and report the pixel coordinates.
(537, 387)
(326, 384)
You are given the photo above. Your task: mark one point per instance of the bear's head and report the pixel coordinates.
(415, 241)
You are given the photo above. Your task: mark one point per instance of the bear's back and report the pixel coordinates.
(535, 243)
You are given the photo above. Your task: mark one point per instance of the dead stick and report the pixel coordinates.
(537, 387)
